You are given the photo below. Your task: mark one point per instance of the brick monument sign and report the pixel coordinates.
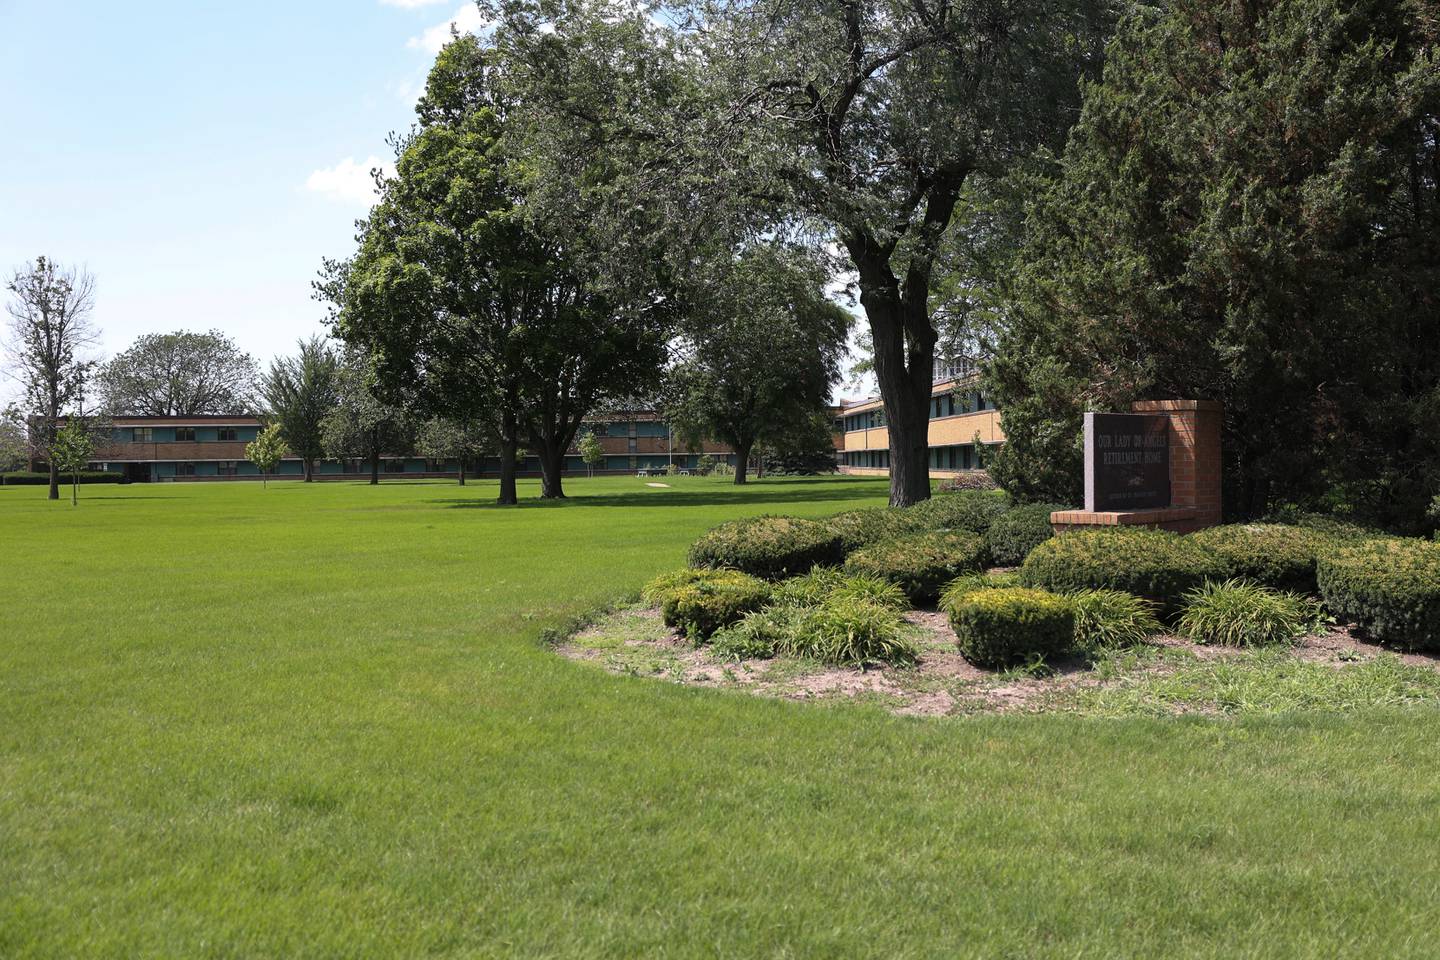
(1156, 466)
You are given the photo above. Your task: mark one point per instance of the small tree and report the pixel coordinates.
(266, 451)
(443, 439)
(72, 448)
(14, 441)
(591, 451)
(361, 424)
(301, 391)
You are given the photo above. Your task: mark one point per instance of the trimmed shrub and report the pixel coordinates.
(772, 548)
(27, 478)
(1238, 613)
(1153, 564)
(920, 564)
(970, 582)
(1272, 554)
(825, 583)
(1018, 531)
(1111, 619)
(699, 602)
(850, 632)
(998, 628)
(1389, 588)
(860, 528)
(971, 510)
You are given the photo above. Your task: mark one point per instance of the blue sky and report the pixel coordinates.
(201, 158)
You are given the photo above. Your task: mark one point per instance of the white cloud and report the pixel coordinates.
(347, 181)
(467, 20)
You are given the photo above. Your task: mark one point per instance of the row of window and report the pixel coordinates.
(943, 405)
(182, 435)
(958, 457)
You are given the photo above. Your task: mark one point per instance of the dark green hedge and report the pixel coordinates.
(972, 510)
(1389, 588)
(860, 528)
(921, 564)
(18, 478)
(1018, 531)
(997, 628)
(1272, 554)
(769, 547)
(1153, 564)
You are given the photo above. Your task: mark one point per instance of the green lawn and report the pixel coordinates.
(315, 720)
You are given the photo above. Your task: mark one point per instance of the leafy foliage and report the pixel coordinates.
(301, 391)
(825, 583)
(999, 628)
(1153, 564)
(769, 547)
(699, 602)
(362, 425)
(267, 450)
(1193, 245)
(1276, 556)
(1019, 530)
(968, 510)
(860, 528)
(180, 374)
(1390, 588)
(1112, 620)
(920, 564)
(1239, 613)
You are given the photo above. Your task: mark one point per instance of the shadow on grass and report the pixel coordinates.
(759, 492)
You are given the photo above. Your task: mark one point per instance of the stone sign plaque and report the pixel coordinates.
(1127, 461)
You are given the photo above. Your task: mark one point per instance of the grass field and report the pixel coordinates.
(315, 720)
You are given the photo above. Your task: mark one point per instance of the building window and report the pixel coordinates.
(225, 468)
(184, 469)
(227, 434)
(184, 434)
(144, 435)
(634, 445)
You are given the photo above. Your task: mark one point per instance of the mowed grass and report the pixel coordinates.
(316, 720)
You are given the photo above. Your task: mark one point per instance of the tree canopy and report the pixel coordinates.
(180, 374)
(300, 392)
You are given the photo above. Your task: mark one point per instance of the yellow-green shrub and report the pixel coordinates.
(920, 564)
(997, 628)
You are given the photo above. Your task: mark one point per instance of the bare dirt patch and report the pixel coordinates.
(635, 641)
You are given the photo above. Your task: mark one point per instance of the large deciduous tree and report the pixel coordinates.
(760, 353)
(476, 305)
(51, 333)
(867, 118)
(300, 392)
(180, 374)
(362, 425)
(1248, 211)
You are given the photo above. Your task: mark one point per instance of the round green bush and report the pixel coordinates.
(998, 628)
(1390, 588)
(1273, 554)
(988, 580)
(1240, 613)
(1153, 564)
(860, 528)
(772, 548)
(1018, 531)
(922, 563)
(973, 510)
(699, 602)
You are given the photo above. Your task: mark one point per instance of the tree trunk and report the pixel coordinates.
(552, 468)
(54, 479)
(374, 467)
(742, 463)
(507, 472)
(904, 344)
(462, 471)
(75, 490)
(308, 464)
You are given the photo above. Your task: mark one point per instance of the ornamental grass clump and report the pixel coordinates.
(1018, 531)
(1239, 613)
(1000, 628)
(757, 634)
(860, 528)
(771, 548)
(920, 564)
(1273, 554)
(1154, 564)
(699, 602)
(1112, 620)
(1389, 588)
(848, 631)
(973, 510)
(823, 583)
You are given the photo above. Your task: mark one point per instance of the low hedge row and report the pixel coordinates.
(1389, 588)
(1019, 530)
(771, 548)
(1153, 564)
(26, 478)
(1276, 555)
(922, 563)
(861, 528)
(973, 510)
